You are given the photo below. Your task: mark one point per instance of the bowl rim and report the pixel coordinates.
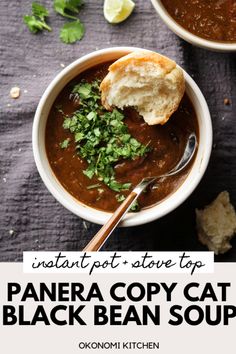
(92, 214)
(188, 36)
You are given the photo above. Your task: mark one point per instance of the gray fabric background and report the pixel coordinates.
(30, 218)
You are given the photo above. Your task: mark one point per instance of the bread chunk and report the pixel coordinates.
(216, 224)
(147, 81)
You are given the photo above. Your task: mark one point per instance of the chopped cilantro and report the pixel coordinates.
(36, 21)
(101, 136)
(89, 172)
(65, 143)
(135, 206)
(64, 6)
(120, 198)
(118, 186)
(72, 32)
(78, 136)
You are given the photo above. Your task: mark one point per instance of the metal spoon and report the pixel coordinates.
(102, 235)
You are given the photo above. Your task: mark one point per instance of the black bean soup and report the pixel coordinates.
(166, 143)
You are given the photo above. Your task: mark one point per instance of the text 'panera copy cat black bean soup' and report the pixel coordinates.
(214, 20)
(99, 156)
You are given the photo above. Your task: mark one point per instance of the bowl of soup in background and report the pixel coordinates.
(198, 25)
(89, 213)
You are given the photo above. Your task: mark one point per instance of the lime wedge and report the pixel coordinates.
(116, 11)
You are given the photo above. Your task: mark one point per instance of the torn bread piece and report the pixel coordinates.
(151, 83)
(216, 224)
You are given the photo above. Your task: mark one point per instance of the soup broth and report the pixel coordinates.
(210, 19)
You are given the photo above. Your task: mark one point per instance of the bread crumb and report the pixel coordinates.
(11, 232)
(62, 65)
(226, 101)
(15, 92)
(4, 179)
(216, 224)
(25, 91)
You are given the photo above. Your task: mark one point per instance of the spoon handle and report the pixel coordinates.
(101, 236)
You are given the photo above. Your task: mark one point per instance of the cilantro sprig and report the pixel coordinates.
(66, 7)
(73, 31)
(101, 137)
(36, 22)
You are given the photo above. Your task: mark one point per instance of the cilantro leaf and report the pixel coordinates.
(89, 172)
(135, 206)
(64, 144)
(33, 24)
(78, 136)
(84, 91)
(71, 32)
(63, 6)
(115, 186)
(36, 21)
(120, 197)
(39, 11)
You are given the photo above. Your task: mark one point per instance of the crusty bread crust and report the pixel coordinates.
(138, 59)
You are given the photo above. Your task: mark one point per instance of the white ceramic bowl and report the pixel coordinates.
(88, 213)
(188, 36)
